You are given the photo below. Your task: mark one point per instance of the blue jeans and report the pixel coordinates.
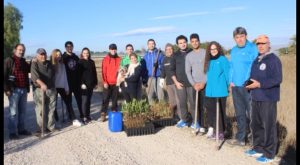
(241, 101)
(17, 110)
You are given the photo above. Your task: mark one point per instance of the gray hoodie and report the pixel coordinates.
(194, 66)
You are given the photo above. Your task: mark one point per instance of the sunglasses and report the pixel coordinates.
(261, 43)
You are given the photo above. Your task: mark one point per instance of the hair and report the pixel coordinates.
(180, 38)
(194, 35)
(129, 45)
(85, 48)
(239, 30)
(169, 45)
(151, 40)
(20, 45)
(208, 55)
(53, 56)
(69, 43)
(132, 54)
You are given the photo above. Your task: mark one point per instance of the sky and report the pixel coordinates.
(97, 23)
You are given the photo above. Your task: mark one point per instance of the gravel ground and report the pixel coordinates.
(95, 144)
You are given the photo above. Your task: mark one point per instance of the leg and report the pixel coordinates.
(151, 89)
(38, 107)
(22, 110)
(51, 101)
(211, 112)
(77, 94)
(84, 99)
(201, 108)
(240, 110)
(182, 104)
(257, 127)
(160, 91)
(88, 109)
(105, 100)
(67, 101)
(191, 95)
(223, 118)
(13, 111)
(114, 97)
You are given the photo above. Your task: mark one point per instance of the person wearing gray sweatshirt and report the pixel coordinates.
(194, 66)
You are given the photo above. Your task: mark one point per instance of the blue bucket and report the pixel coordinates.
(115, 121)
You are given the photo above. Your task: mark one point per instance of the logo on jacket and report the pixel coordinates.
(262, 66)
(72, 64)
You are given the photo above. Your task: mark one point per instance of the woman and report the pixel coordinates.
(61, 83)
(131, 79)
(216, 67)
(165, 77)
(88, 82)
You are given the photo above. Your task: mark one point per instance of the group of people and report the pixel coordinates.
(253, 76)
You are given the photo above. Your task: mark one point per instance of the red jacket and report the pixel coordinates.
(110, 67)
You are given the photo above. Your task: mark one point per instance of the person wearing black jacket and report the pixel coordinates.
(71, 61)
(131, 79)
(88, 81)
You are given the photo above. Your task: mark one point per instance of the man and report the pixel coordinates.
(194, 66)
(154, 62)
(184, 89)
(16, 87)
(241, 59)
(110, 67)
(43, 78)
(266, 75)
(72, 69)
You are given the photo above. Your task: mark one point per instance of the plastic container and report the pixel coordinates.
(115, 121)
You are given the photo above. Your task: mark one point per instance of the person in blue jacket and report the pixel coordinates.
(241, 58)
(154, 62)
(216, 67)
(266, 77)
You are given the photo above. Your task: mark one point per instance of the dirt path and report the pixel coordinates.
(95, 144)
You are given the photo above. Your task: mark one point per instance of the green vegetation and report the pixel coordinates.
(291, 49)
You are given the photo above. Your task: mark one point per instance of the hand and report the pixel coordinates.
(44, 87)
(83, 86)
(105, 86)
(196, 86)
(255, 84)
(161, 82)
(7, 93)
(179, 85)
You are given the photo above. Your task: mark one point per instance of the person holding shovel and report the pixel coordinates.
(43, 78)
(216, 67)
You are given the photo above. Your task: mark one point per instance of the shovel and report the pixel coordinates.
(195, 132)
(43, 112)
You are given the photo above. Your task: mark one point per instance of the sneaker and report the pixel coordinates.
(77, 123)
(103, 117)
(181, 124)
(13, 136)
(236, 142)
(86, 120)
(210, 132)
(253, 153)
(202, 130)
(193, 126)
(212, 136)
(24, 132)
(264, 159)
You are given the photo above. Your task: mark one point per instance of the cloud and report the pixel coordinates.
(231, 9)
(146, 31)
(180, 15)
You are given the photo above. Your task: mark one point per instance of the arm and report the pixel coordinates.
(35, 76)
(95, 74)
(162, 70)
(225, 65)
(188, 70)
(104, 73)
(66, 84)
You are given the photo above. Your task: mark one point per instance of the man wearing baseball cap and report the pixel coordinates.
(266, 75)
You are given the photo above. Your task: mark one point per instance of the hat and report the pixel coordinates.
(262, 39)
(113, 46)
(41, 51)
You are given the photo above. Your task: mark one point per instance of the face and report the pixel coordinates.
(19, 51)
(85, 54)
(213, 50)
(151, 45)
(129, 50)
(182, 44)
(113, 51)
(240, 39)
(58, 56)
(263, 47)
(195, 43)
(69, 48)
(133, 59)
(42, 57)
(169, 51)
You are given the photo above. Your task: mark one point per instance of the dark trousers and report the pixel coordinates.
(211, 106)
(263, 126)
(129, 95)
(186, 95)
(68, 103)
(201, 108)
(241, 101)
(86, 101)
(110, 92)
(77, 94)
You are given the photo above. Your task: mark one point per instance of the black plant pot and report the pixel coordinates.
(163, 122)
(146, 130)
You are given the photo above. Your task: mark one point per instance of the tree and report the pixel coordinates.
(12, 25)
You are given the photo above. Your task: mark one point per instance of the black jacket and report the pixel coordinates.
(88, 73)
(178, 67)
(166, 70)
(72, 70)
(133, 80)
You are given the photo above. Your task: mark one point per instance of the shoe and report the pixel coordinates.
(24, 132)
(212, 136)
(236, 142)
(253, 153)
(197, 126)
(103, 117)
(13, 136)
(202, 130)
(181, 124)
(264, 159)
(86, 120)
(53, 130)
(210, 132)
(77, 123)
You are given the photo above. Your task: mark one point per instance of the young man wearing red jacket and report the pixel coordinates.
(110, 67)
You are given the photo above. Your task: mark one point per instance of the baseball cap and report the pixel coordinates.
(41, 51)
(262, 39)
(113, 46)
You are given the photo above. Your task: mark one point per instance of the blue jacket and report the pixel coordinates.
(268, 72)
(217, 82)
(241, 59)
(150, 58)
